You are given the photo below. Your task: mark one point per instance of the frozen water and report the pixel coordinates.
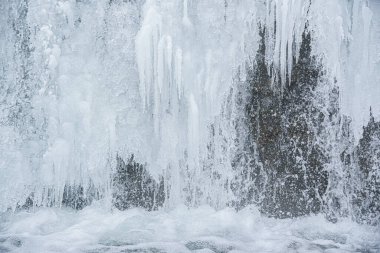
(84, 82)
(180, 230)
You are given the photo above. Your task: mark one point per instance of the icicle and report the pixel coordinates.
(178, 71)
(146, 50)
(185, 19)
(290, 18)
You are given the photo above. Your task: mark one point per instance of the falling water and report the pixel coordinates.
(194, 125)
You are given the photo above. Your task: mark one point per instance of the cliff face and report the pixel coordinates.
(287, 137)
(366, 184)
(299, 155)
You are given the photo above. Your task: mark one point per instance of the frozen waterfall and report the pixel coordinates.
(170, 111)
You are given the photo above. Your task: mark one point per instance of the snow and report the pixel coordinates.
(180, 230)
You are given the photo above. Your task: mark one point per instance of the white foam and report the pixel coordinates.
(180, 230)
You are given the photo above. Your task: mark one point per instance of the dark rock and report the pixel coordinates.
(217, 248)
(285, 152)
(366, 197)
(134, 187)
(74, 196)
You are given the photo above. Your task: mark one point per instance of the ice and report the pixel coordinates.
(179, 230)
(137, 78)
(83, 82)
(146, 53)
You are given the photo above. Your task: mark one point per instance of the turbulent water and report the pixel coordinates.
(189, 125)
(201, 230)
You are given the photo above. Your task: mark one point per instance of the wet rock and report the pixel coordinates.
(282, 165)
(366, 197)
(147, 250)
(74, 196)
(134, 187)
(199, 245)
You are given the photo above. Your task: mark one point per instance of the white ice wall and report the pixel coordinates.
(149, 78)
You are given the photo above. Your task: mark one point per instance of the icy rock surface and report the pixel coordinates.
(83, 82)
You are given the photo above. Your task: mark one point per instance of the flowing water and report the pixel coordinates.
(181, 230)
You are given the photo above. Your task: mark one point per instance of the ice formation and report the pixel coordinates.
(163, 103)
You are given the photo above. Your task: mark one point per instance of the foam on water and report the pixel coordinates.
(180, 230)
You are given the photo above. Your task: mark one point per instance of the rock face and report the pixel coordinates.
(134, 187)
(286, 165)
(76, 197)
(286, 144)
(366, 197)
